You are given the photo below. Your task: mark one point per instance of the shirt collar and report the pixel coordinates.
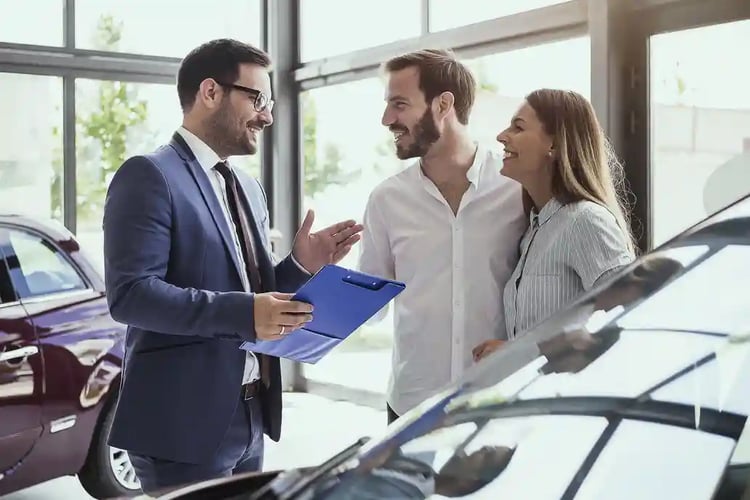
(547, 211)
(207, 157)
(474, 172)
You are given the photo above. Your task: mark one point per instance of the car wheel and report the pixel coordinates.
(108, 472)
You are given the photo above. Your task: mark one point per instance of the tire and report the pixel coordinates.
(100, 476)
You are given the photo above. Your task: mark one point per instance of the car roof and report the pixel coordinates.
(50, 227)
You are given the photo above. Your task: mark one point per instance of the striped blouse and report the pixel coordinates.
(565, 251)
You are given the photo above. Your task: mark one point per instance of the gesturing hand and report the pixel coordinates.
(276, 314)
(327, 246)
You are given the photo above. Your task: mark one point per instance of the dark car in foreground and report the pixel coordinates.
(60, 357)
(639, 390)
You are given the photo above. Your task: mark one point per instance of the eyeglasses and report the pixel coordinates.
(262, 102)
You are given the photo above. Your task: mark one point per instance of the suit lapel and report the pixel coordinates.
(209, 196)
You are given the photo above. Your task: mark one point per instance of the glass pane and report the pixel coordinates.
(163, 28)
(565, 64)
(445, 14)
(44, 270)
(114, 120)
(700, 125)
(362, 26)
(23, 24)
(31, 146)
(341, 166)
(651, 461)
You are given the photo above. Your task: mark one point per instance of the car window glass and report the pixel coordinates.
(650, 461)
(485, 459)
(634, 363)
(722, 383)
(682, 304)
(37, 268)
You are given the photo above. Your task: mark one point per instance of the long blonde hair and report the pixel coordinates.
(585, 166)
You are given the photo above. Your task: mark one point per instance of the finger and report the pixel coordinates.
(282, 296)
(351, 240)
(294, 306)
(289, 320)
(341, 253)
(270, 334)
(347, 233)
(338, 227)
(304, 229)
(478, 353)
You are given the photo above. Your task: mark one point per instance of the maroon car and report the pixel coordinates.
(60, 358)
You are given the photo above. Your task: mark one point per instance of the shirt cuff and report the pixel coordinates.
(291, 255)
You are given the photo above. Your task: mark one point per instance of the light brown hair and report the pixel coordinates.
(585, 167)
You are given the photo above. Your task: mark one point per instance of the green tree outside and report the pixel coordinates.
(319, 174)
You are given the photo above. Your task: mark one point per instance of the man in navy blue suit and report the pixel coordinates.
(190, 271)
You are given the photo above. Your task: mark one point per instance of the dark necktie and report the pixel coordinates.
(244, 234)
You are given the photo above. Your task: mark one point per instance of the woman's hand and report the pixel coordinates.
(486, 348)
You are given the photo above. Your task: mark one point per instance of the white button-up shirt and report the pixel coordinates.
(454, 266)
(208, 158)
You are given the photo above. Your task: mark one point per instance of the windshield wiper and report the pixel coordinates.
(285, 487)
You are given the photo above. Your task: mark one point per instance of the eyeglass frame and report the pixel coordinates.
(257, 93)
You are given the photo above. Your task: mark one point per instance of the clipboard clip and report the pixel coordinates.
(363, 281)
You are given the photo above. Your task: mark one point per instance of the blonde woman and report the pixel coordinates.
(578, 231)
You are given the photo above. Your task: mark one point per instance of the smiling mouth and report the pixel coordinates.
(509, 154)
(397, 135)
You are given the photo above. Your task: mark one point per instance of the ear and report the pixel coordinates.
(445, 103)
(210, 93)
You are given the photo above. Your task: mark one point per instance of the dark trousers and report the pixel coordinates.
(392, 416)
(241, 450)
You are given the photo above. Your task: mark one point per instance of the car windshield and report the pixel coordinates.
(631, 369)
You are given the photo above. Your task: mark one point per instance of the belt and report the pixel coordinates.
(250, 390)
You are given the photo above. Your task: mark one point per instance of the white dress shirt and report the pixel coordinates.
(208, 159)
(454, 266)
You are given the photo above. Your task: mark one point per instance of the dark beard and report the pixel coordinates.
(225, 139)
(425, 134)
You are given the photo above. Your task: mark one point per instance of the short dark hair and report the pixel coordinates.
(218, 59)
(440, 71)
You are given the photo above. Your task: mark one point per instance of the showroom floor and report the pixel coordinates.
(314, 429)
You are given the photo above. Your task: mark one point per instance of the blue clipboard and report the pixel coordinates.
(343, 300)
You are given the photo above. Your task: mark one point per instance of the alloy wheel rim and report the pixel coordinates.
(123, 469)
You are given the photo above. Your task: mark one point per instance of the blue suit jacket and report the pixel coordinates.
(172, 276)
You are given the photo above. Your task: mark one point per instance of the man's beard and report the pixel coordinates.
(226, 138)
(424, 135)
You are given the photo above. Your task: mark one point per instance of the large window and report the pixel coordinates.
(505, 78)
(345, 156)
(446, 14)
(700, 125)
(332, 27)
(114, 120)
(164, 28)
(22, 22)
(31, 146)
